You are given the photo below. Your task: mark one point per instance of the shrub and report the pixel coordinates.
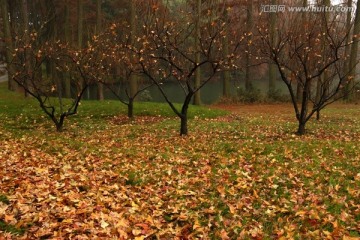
(275, 95)
(145, 96)
(249, 96)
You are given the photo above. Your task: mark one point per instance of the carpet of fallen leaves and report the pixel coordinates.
(243, 176)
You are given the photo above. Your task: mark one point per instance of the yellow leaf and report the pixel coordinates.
(9, 218)
(335, 224)
(122, 223)
(224, 235)
(196, 225)
(350, 238)
(140, 238)
(232, 208)
(300, 213)
(182, 217)
(357, 177)
(136, 231)
(104, 224)
(221, 190)
(122, 233)
(68, 220)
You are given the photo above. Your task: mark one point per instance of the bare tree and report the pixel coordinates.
(121, 59)
(85, 66)
(167, 54)
(302, 55)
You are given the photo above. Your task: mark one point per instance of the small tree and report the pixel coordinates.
(167, 54)
(30, 58)
(304, 53)
(122, 78)
(122, 62)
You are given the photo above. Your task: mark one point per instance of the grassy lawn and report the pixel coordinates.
(243, 175)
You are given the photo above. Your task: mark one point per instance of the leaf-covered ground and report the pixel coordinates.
(241, 176)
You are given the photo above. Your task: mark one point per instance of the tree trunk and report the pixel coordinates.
(248, 84)
(299, 90)
(353, 55)
(131, 109)
(197, 81)
(67, 81)
(80, 33)
(184, 114)
(133, 77)
(25, 16)
(59, 127)
(346, 66)
(8, 44)
(183, 127)
(60, 123)
(100, 86)
(272, 67)
(299, 87)
(226, 74)
(348, 46)
(318, 115)
(80, 24)
(322, 85)
(272, 78)
(304, 107)
(301, 129)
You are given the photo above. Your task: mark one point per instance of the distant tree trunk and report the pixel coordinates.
(272, 67)
(80, 32)
(323, 78)
(197, 81)
(133, 77)
(226, 73)
(8, 44)
(131, 108)
(250, 22)
(67, 82)
(100, 86)
(80, 24)
(57, 76)
(348, 46)
(25, 16)
(299, 87)
(353, 55)
(67, 22)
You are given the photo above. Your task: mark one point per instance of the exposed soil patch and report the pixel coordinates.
(121, 120)
(256, 108)
(281, 108)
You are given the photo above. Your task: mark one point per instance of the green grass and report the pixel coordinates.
(5, 226)
(4, 199)
(246, 176)
(25, 113)
(10, 228)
